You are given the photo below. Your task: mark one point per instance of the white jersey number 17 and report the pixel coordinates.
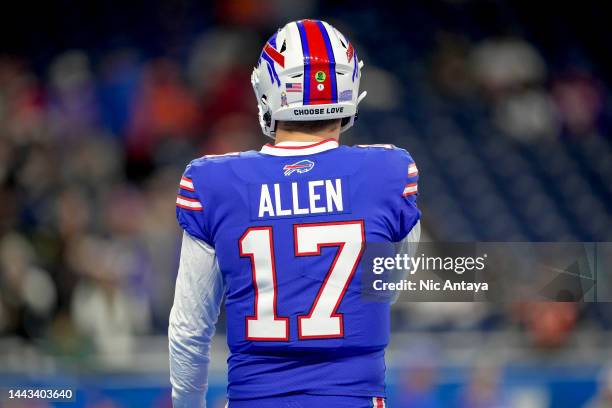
(322, 321)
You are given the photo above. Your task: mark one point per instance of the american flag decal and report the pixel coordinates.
(293, 87)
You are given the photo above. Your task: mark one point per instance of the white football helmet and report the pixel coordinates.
(307, 71)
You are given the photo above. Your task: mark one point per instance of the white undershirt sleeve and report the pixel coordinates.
(197, 301)
(408, 246)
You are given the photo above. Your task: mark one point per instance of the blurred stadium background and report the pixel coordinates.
(505, 106)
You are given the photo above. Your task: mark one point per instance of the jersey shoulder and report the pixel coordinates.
(217, 160)
(393, 164)
(195, 199)
(217, 164)
(383, 149)
(386, 157)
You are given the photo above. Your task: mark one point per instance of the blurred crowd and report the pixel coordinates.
(93, 142)
(90, 158)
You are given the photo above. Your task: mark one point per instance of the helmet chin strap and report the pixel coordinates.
(361, 96)
(364, 93)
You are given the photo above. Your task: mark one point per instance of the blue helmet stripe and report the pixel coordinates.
(271, 66)
(332, 62)
(272, 40)
(306, 53)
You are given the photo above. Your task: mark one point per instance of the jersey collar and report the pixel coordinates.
(298, 148)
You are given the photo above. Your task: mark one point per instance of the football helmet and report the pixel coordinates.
(307, 71)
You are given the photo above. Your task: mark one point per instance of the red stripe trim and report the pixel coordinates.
(188, 199)
(301, 147)
(379, 402)
(319, 61)
(184, 187)
(191, 200)
(186, 179)
(410, 192)
(275, 55)
(189, 208)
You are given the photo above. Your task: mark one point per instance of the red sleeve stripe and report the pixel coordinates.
(186, 184)
(378, 402)
(188, 203)
(410, 189)
(412, 170)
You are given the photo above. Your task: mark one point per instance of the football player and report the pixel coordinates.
(279, 233)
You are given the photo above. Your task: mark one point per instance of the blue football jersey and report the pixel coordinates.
(289, 225)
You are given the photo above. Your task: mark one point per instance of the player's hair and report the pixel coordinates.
(307, 126)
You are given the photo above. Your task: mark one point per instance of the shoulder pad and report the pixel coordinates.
(214, 156)
(378, 145)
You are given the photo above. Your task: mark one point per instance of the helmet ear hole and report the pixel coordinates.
(267, 117)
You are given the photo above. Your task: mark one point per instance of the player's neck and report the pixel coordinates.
(287, 136)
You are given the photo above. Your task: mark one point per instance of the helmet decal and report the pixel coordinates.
(275, 55)
(319, 64)
(271, 56)
(351, 54)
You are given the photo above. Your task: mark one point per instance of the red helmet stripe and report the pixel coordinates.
(275, 55)
(319, 61)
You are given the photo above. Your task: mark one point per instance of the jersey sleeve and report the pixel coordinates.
(191, 204)
(405, 190)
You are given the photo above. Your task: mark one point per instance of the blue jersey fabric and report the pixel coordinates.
(364, 185)
(308, 401)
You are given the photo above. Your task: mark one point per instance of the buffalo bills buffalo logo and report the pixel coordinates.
(303, 166)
